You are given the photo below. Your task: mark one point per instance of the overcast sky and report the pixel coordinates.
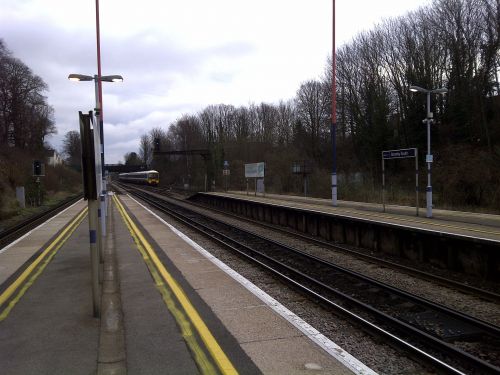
(178, 56)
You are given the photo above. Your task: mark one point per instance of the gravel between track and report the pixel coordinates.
(468, 304)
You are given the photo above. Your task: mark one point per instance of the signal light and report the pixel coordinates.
(157, 144)
(38, 168)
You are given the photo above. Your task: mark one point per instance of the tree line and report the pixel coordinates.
(450, 43)
(26, 119)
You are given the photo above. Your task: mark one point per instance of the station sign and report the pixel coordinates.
(301, 167)
(399, 154)
(255, 170)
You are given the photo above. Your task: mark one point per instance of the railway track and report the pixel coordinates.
(437, 279)
(12, 233)
(429, 276)
(422, 328)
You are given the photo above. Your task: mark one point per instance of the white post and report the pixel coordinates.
(334, 189)
(94, 254)
(429, 186)
(416, 178)
(383, 183)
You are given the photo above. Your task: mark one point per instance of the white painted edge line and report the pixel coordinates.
(389, 223)
(41, 225)
(325, 343)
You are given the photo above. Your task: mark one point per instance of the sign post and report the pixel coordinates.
(256, 170)
(38, 171)
(90, 189)
(226, 173)
(400, 154)
(302, 168)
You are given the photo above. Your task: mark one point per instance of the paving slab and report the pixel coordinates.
(271, 341)
(51, 330)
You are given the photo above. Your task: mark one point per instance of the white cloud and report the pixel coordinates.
(178, 56)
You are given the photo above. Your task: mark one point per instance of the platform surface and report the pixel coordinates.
(476, 225)
(51, 330)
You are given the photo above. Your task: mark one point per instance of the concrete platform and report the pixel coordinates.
(478, 225)
(447, 242)
(14, 255)
(50, 329)
(273, 343)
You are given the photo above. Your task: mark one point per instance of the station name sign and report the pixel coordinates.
(255, 170)
(399, 154)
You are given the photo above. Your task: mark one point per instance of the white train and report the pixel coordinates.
(144, 177)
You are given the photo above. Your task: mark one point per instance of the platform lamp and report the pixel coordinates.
(429, 158)
(97, 79)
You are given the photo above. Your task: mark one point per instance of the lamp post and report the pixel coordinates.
(97, 79)
(333, 128)
(429, 158)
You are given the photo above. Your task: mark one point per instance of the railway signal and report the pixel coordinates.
(156, 144)
(38, 168)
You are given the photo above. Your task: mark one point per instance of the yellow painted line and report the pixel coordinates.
(220, 358)
(361, 215)
(183, 322)
(51, 251)
(397, 218)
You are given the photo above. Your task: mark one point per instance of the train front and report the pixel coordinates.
(153, 178)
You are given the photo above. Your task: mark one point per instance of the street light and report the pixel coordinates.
(97, 79)
(429, 159)
(82, 77)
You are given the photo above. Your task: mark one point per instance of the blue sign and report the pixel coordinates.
(400, 154)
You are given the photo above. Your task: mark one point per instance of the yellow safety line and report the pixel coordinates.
(361, 214)
(425, 222)
(397, 218)
(224, 364)
(200, 358)
(54, 248)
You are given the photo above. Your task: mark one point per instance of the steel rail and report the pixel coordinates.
(478, 292)
(475, 291)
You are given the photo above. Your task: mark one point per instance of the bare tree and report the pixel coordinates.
(131, 158)
(72, 149)
(146, 149)
(25, 117)
(284, 122)
(312, 110)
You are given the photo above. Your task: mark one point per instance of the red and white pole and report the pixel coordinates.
(333, 129)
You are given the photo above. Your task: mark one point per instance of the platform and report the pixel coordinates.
(477, 225)
(203, 318)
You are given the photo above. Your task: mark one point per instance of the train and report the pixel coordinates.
(144, 178)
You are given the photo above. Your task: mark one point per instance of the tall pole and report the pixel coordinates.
(334, 116)
(429, 162)
(99, 98)
(429, 120)
(99, 113)
(99, 82)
